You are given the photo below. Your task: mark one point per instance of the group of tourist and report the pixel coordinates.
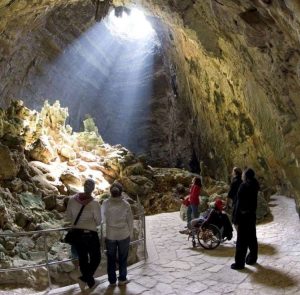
(242, 198)
(86, 214)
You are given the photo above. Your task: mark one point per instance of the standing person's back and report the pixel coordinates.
(245, 219)
(119, 228)
(83, 208)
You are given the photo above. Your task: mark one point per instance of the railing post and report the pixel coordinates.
(47, 260)
(144, 234)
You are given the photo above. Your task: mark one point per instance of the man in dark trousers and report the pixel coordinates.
(244, 216)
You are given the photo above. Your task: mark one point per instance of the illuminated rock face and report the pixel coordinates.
(234, 66)
(124, 85)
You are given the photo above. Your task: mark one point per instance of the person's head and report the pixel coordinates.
(116, 190)
(89, 186)
(236, 171)
(197, 181)
(219, 204)
(248, 174)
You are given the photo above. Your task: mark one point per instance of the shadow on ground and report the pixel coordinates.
(272, 277)
(266, 249)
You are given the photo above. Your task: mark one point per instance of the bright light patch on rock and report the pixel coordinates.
(133, 25)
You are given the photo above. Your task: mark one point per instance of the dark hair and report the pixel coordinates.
(249, 174)
(116, 189)
(197, 181)
(237, 171)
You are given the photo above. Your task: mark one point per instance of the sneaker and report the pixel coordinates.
(112, 285)
(81, 284)
(122, 283)
(184, 231)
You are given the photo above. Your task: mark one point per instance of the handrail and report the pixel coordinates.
(46, 232)
(41, 231)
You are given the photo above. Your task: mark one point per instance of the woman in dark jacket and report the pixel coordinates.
(245, 218)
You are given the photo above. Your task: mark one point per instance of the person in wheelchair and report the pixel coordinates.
(217, 217)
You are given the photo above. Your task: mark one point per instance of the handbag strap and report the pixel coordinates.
(78, 215)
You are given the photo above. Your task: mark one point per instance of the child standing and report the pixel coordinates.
(192, 202)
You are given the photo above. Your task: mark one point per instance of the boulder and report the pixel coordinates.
(69, 177)
(262, 207)
(22, 219)
(31, 201)
(41, 150)
(87, 157)
(9, 168)
(67, 152)
(50, 202)
(135, 169)
(44, 185)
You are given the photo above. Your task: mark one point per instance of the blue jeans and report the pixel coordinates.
(192, 210)
(122, 248)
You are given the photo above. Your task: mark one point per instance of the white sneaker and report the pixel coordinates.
(122, 283)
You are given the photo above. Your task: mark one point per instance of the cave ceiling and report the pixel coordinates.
(230, 83)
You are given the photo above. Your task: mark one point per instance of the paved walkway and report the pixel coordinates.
(174, 267)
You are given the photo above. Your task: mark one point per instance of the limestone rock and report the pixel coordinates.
(262, 207)
(50, 202)
(44, 185)
(42, 151)
(69, 177)
(67, 152)
(31, 201)
(9, 168)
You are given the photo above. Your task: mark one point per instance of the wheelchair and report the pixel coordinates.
(208, 236)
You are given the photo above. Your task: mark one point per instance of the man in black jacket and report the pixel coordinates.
(244, 216)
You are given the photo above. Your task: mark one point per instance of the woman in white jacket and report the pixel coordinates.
(117, 215)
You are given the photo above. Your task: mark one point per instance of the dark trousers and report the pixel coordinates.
(122, 248)
(246, 239)
(89, 255)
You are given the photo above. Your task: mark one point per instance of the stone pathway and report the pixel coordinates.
(174, 267)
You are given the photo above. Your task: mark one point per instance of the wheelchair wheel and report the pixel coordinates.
(209, 237)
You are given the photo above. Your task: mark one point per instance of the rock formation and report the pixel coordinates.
(225, 81)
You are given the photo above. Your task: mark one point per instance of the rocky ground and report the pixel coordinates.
(44, 162)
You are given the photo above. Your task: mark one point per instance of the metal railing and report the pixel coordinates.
(45, 233)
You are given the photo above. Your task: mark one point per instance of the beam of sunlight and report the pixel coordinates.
(133, 25)
(107, 73)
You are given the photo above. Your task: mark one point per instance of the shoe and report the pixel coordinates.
(184, 231)
(237, 266)
(93, 286)
(250, 261)
(81, 284)
(112, 285)
(122, 283)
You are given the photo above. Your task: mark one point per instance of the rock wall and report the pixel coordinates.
(230, 75)
(62, 53)
(237, 67)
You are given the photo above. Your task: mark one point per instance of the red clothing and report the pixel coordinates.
(186, 201)
(194, 195)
